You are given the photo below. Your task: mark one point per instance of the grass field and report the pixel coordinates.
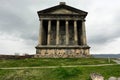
(79, 73)
(52, 62)
(60, 73)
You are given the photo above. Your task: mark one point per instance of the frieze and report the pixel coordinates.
(62, 17)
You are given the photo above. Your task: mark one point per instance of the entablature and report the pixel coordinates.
(62, 17)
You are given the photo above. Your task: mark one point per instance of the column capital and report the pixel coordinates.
(66, 22)
(40, 19)
(75, 19)
(58, 20)
(66, 19)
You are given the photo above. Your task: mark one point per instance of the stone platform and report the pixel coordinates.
(62, 51)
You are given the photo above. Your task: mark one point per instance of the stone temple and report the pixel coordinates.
(62, 33)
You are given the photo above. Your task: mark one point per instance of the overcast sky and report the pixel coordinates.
(19, 24)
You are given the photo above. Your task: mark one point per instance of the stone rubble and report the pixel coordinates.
(96, 76)
(112, 78)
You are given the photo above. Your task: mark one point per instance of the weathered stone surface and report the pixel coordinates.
(60, 53)
(64, 26)
(112, 78)
(119, 78)
(96, 76)
(63, 11)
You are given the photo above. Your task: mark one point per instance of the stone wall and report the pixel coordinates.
(62, 53)
(3, 57)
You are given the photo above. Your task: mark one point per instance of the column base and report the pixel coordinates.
(62, 51)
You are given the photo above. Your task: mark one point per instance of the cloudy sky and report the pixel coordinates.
(19, 24)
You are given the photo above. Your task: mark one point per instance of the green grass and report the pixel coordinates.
(60, 73)
(52, 62)
(78, 73)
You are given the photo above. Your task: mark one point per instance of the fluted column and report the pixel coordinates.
(67, 32)
(49, 32)
(75, 32)
(57, 31)
(83, 38)
(40, 32)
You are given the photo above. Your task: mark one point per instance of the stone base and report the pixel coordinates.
(62, 51)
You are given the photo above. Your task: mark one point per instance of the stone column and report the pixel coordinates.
(49, 32)
(67, 32)
(83, 37)
(57, 32)
(75, 32)
(40, 32)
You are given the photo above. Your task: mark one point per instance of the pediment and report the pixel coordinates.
(63, 11)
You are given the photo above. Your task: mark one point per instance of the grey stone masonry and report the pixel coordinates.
(96, 76)
(112, 78)
(62, 32)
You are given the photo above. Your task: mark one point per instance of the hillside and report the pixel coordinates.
(58, 73)
(31, 62)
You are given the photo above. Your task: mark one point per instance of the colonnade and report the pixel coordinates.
(82, 36)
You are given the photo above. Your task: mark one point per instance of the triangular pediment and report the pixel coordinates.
(63, 11)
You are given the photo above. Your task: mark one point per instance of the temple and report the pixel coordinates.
(62, 33)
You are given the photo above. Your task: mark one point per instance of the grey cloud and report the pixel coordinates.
(13, 21)
(10, 21)
(105, 26)
(20, 17)
(109, 33)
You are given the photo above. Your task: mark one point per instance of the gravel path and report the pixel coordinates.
(117, 61)
(41, 67)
